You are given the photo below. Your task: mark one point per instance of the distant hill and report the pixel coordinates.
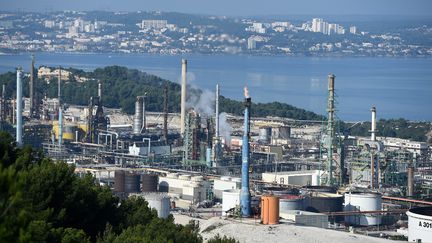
(121, 86)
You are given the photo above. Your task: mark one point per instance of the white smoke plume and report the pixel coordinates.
(202, 103)
(225, 128)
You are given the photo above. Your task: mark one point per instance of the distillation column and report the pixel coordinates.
(138, 117)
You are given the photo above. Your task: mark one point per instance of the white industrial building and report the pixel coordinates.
(155, 148)
(225, 183)
(298, 178)
(186, 187)
(420, 148)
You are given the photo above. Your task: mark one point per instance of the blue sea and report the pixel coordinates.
(398, 87)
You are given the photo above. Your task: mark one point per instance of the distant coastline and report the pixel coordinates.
(397, 86)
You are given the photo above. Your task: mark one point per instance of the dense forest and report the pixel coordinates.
(121, 85)
(44, 201)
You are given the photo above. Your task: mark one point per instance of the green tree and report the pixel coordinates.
(224, 239)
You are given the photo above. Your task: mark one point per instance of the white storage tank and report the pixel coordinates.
(420, 224)
(160, 202)
(359, 201)
(230, 199)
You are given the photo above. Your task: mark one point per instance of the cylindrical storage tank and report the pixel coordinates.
(363, 202)
(420, 224)
(149, 182)
(225, 178)
(290, 202)
(270, 209)
(230, 199)
(131, 182)
(284, 132)
(185, 177)
(119, 177)
(265, 134)
(160, 202)
(321, 202)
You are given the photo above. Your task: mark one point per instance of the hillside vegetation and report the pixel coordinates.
(44, 201)
(121, 86)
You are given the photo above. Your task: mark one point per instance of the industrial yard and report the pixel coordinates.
(252, 231)
(257, 179)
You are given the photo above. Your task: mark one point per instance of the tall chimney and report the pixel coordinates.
(373, 124)
(3, 105)
(165, 115)
(59, 87)
(183, 97)
(245, 197)
(138, 117)
(410, 187)
(330, 128)
(19, 125)
(60, 124)
(217, 112)
(31, 87)
(410, 181)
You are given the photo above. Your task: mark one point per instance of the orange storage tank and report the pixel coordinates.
(270, 209)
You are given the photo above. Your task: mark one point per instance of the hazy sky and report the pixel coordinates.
(234, 7)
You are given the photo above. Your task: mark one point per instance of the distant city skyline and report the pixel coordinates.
(233, 8)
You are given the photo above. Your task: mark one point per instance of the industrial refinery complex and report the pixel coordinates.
(245, 172)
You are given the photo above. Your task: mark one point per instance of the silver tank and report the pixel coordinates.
(359, 201)
(138, 117)
(160, 202)
(265, 134)
(131, 182)
(284, 132)
(149, 182)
